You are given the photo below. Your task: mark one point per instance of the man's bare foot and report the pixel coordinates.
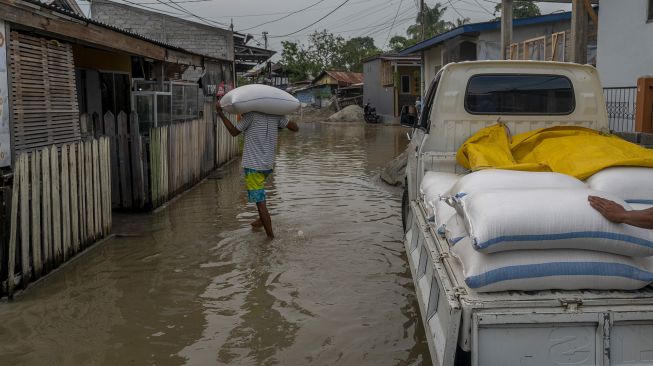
(257, 223)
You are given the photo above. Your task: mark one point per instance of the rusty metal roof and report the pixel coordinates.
(344, 77)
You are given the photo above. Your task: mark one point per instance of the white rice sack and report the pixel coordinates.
(640, 206)
(455, 230)
(443, 213)
(259, 98)
(434, 186)
(503, 220)
(632, 184)
(489, 179)
(562, 269)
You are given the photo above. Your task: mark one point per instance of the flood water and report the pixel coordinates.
(193, 284)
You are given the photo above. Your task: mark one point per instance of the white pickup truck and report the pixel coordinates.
(465, 327)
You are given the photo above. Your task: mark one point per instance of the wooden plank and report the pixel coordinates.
(96, 189)
(106, 168)
(65, 204)
(56, 206)
(110, 132)
(80, 30)
(36, 213)
(13, 234)
(88, 174)
(82, 187)
(46, 211)
(123, 158)
(24, 219)
(137, 167)
(146, 170)
(74, 198)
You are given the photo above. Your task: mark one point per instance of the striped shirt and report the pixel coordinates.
(261, 131)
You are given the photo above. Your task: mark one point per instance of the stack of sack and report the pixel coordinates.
(516, 230)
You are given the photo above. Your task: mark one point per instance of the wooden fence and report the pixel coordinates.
(148, 170)
(180, 155)
(60, 204)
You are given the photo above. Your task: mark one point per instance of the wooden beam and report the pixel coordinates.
(183, 58)
(506, 27)
(579, 31)
(644, 110)
(77, 29)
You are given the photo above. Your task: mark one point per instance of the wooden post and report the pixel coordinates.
(136, 158)
(36, 213)
(644, 112)
(579, 25)
(24, 219)
(506, 28)
(13, 234)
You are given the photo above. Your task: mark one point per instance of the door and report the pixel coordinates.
(417, 139)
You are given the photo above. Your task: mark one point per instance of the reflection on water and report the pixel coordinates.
(194, 285)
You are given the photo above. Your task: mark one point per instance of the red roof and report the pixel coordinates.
(344, 78)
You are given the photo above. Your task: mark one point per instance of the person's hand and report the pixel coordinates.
(609, 209)
(218, 107)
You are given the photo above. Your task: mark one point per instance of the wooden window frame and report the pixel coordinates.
(401, 84)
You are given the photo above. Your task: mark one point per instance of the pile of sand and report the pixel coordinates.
(352, 113)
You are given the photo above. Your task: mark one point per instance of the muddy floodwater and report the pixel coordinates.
(193, 284)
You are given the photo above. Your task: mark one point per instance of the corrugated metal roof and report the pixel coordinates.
(485, 26)
(71, 14)
(346, 77)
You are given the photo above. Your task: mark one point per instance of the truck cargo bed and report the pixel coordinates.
(545, 327)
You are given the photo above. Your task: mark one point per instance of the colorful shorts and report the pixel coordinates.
(255, 183)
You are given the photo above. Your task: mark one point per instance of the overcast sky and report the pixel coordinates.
(355, 18)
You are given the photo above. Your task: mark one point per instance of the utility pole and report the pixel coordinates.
(265, 39)
(579, 25)
(231, 26)
(506, 28)
(421, 19)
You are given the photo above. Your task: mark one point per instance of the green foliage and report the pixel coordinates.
(324, 51)
(433, 20)
(434, 25)
(521, 9)
(398, 43)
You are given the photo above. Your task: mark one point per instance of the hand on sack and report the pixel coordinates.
(609, 209)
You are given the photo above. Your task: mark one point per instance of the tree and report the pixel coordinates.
(354, 51)
(521, 9)
(433, 20)
(398, 43)
(325, 50)
(461, 22)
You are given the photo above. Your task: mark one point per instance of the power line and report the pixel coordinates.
(315, 22)
(393, 24)
(283, 17)
(454, 9)
(482, 7)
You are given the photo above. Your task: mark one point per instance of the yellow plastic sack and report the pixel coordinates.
(576, 151)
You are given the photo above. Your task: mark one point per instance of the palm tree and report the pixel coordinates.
(434, 24)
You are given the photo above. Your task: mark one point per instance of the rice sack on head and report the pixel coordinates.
(259, 98)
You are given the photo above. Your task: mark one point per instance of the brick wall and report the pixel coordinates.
(203, 39)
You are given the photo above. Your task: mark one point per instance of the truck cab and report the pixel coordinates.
(465, 327)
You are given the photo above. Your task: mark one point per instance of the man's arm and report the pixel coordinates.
(616, 213)
(292, 126)
(233, 131)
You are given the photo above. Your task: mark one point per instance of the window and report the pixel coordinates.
(650, 10)
(405, 84)
(427, 104)
(519, 94)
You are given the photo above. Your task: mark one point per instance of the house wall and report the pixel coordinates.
(379, 97)
(326, 80)
(489, 42)
(625, 42)
(433, 62)
(203, 39)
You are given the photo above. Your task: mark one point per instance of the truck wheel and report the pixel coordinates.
(405, 209)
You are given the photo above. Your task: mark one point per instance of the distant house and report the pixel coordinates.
(270, 73)
(391, 82)
(545, 37)
(327, 83)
